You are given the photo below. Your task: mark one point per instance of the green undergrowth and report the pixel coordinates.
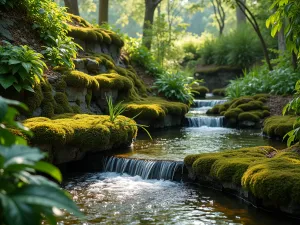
(247, 108)
(275, 179)
(279, 126)
(154, 108)
(82, 130)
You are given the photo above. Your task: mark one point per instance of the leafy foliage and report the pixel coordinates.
(61, 53)
(20, 67)
(25, 197)
(293, 107)
(142, 57)
(286, 11)
(176, 86)
(279, 81)
(239, 48)
(118, 109)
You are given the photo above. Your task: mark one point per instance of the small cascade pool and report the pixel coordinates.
(139, 187)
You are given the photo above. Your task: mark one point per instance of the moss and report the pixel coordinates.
(79, 79)
(258, 96)
(76, 109)
(200, 91)
(233, 113)
(88, 97)
(77, 19)
(239, 101)
(219, 92)
(48, 110)
(34, 99)
(88, 132)
(85, 33)
(252, 105)
(114, 81)
(266, 113)
(61, 86)
(276, 179)
(214, 110)
(278, 126)
(62, 100)
(227, 166)
(248, 116)
(155, 108)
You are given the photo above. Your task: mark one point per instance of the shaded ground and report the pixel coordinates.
(148, 79)
(277, 103)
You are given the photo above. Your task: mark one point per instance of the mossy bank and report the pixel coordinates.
(266, 177)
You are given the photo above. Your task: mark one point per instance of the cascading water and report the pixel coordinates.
(147, 169)
(207, 121)
(208, 103)
(198, 120)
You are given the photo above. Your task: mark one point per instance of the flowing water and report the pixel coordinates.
(138, 186)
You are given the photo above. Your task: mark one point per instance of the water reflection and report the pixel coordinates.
(108, 198)
(175, 144)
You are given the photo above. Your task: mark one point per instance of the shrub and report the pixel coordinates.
(61, 53)
(26, 197)
(142, 57)
(176, 86)
(239, 48)
(20, 67)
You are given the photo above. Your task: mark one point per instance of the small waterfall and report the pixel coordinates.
(147, 169)
(208, 121)
(208, 103)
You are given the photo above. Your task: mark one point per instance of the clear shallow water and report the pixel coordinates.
(108, 198)
(175, 144)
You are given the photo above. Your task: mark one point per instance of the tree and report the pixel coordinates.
(287, 11)
(72, 6)
(219, 14)
(150, 6)
(103, 11)
(240, 15)
(252, 20)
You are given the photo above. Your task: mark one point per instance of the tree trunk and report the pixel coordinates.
(72, 6)
(150, 6)
(252, 20)
(240, 15)
(103, 11)
(281, 41)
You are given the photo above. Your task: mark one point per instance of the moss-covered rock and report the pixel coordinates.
(243, 112)
(155, 108)
(219, 92)
(89, 132)
(278, 126)
(274, 179)
(79, 79)
(200, 91)
(114, 81)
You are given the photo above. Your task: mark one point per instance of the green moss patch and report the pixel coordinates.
(114, 81)
(275, 179)
(200, 91)
(243, 109)
(278, 126)
(88, 132)
(154, 108)
(219, 92)
(79, 79)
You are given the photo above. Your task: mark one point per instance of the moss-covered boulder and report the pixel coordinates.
(271, 176)
(155, 112)
(81, 131)
(279, 126)
(200, 91)
(245, 111)
(219, 92)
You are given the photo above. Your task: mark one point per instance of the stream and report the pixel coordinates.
(138, 186)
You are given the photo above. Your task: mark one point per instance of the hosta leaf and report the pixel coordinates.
(7, 81)
(48, 169)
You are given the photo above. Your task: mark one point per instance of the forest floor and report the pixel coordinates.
(276, 104)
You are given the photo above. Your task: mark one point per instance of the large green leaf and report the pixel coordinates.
(18, 154)
(48, 169)
(46, 196)
(3, 110)
(7, 81)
